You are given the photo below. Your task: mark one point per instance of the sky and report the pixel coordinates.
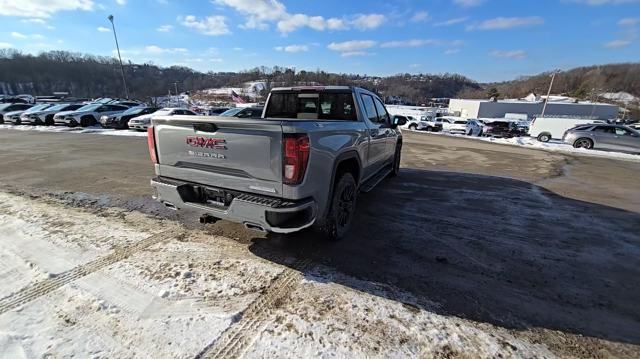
(486, 40)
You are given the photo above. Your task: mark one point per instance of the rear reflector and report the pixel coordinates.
(295, 158)
(151, 141)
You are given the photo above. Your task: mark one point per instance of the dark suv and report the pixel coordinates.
(121, 120)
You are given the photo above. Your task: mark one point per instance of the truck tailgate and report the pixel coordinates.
(226, 152)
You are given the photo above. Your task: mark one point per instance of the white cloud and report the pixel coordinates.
(38, 21)
(615, 44)
(165, 28)
(368, 22)
(352, 46)
(354, 53)
(238, 49)
(451, 22)
(42, 8)
(210, 25)
(121, 2)
(501, 23)
(292, 48)
(260, 13)
(409, 43)
(336, 24)
(420, 16)
(157, 50)
(513, 54)
(21, 36)
(103, 29)
(451, 51)
(629, 21)
(468, 3)
(606, 2)
(18, 35)
(415, 66)
(5, 45)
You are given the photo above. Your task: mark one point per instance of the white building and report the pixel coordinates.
(532, 107)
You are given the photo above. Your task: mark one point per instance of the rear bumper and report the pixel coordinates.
(254, 211)
(139, 126)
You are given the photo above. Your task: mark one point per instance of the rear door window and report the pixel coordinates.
(383, 116)
(370, 108)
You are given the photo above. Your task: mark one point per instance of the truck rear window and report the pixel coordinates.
(314, 105)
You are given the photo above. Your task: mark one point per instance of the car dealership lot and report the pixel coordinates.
(476, 248)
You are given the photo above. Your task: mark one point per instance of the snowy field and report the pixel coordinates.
(118, 284)
(552, 146)
(97, 130)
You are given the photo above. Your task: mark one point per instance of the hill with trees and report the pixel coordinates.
(84, 75)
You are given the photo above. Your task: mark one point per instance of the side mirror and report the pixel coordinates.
(398, 121)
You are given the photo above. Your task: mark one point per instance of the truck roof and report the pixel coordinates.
(312, 88)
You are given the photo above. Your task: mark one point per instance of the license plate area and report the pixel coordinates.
(205, 195)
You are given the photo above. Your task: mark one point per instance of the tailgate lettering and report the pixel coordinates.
(207, 142)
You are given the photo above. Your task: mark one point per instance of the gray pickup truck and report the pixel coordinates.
(301, 164)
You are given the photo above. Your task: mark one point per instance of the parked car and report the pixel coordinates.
(547, 128)
(635, 125)
(13, 117)
(243, 112)
(443, 123)
(121, 120)
(26, 116)
(474, 127)
(609, 137)
(127, 103)
(12, 107)
(458, 126)
(45, 116)
(505, 129)
(143, 122)
(87, 115)
(217, 111)
(303, 165)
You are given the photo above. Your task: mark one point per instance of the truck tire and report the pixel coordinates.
(343, 205)
(413, 127)
(395, 170)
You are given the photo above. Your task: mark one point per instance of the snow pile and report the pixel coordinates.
(553, 146)
(97, 130)
(621, 96)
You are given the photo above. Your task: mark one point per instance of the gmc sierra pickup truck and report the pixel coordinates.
(302, 164)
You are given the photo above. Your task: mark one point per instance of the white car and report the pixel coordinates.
(6, 108)
(26, 117)
(87, 115)
(458, 126)
(474, 127)
(141, 123)
(45, 116)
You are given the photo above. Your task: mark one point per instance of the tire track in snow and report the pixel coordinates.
(44, 287)
(239, 335)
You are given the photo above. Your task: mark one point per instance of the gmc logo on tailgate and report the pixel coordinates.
(207, 142)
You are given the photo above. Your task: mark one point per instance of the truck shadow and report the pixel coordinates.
(489, 249)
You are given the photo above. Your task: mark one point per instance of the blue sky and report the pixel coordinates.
(487, 40)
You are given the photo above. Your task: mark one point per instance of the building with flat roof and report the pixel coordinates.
(498, 109)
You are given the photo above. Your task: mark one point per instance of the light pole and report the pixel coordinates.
(544, 107)
(124, 82)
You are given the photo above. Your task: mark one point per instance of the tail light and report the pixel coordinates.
(151, 141)
(295, 158)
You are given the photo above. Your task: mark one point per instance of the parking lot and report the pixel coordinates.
(476, 248)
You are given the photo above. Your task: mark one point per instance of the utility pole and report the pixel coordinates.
(124, 81)
(544, 107)
(175, 85)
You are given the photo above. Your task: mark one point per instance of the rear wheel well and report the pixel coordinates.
(349, 165)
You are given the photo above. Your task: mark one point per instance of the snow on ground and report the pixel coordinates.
(552, 146)
(97, 130)
(176, 297)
